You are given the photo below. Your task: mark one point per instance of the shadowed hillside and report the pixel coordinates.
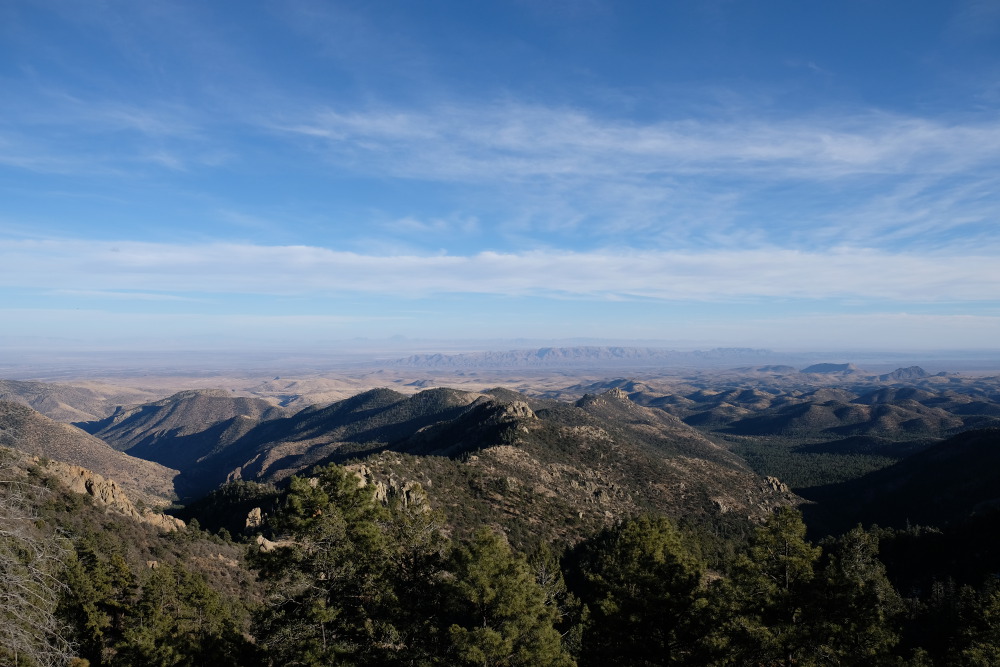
(184, 429)
(949, 481)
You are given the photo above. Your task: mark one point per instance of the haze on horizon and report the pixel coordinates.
(780, 175)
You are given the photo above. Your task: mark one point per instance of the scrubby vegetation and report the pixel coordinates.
(338, 577)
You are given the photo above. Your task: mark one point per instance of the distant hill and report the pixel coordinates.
(26, 430)
(910, 373)
(816, 429)
(803, 411)
(71, 402)
(830, 368)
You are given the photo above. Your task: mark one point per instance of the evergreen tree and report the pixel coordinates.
(571, 614)
(179, 620)
(499, 610)
(417, 552)
(857, 611)
(764, 605)
(99, 602)
(328, 592)
(640, 583)
(978, 640)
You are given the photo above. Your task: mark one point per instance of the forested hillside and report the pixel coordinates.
(336, 576)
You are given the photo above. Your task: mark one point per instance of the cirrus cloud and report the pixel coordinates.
(844, 273)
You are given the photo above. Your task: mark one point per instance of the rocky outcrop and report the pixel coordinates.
(255, 519)
(105, 492)
(777, 485)
(265, 545)
(505, 413)
(392, 488)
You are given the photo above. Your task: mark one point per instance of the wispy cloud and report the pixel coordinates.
(435, 226)
(120, 296)
(847, 273)
(517, 141)
(871, 178)
(53, 131)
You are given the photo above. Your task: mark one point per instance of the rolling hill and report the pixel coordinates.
(82, 401)
(26, 430)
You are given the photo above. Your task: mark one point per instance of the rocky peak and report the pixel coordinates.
(618, 393)
(910, 373)
(508, 412)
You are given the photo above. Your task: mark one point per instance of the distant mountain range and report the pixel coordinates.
(593, 357)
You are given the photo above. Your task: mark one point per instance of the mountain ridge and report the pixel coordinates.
(579, 465)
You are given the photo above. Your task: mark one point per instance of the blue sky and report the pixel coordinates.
(774, 174)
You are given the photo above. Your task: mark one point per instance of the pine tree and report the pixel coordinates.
(856, 613)
(978, 641)
(571, 614)
(179, 620)
(764, 605)
(417, 548)
(98, 604)
(328, 589)
(499, 611)
(640, 583)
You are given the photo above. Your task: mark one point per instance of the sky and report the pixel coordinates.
(788, 175)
